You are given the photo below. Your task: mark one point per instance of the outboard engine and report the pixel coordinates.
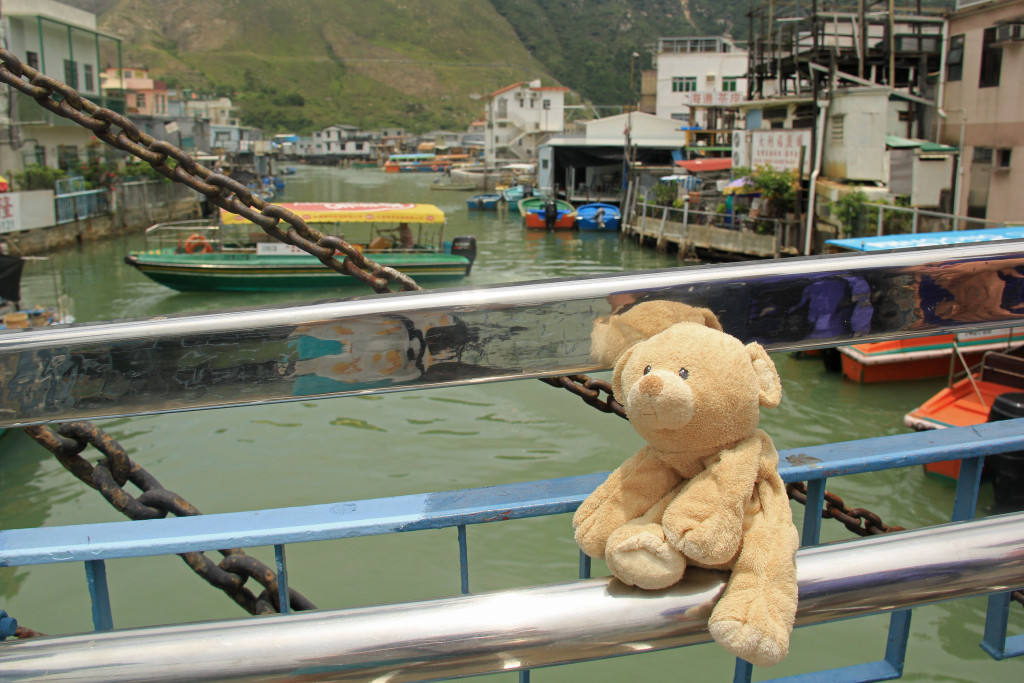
(1007, 469)
(465, 246)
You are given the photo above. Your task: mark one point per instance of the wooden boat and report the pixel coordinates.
(533, 208)
(237, 256)
(598, 216)
(968, 400)
(928, 356)
(484, 202)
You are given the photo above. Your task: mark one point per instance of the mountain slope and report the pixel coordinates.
(304, 65)
(299, 65)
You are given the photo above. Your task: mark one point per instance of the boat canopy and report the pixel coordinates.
(926, 239)
(353, 212)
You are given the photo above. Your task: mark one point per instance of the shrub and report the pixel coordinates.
(37, 177)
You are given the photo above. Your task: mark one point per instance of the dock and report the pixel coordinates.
(702, 234)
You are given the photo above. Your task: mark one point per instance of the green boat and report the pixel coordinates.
(237, 256)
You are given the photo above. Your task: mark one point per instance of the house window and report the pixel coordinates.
(140, 100)
(730, 83)
(502, 108)
(89, 82)
(684, 84)
(127, 73)
(547, 104)
(67, 157)
(991, 60)
(1003, 158)
(32, 59)
(955, 59)
(71, 73)
(837, 130)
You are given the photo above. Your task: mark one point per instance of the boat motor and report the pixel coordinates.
(465, 246)
(1007, 469)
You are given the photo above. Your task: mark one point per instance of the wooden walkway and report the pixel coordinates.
(692, 240)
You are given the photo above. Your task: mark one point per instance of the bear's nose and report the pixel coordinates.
(650, 385)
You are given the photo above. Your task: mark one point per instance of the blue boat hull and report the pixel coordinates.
(587, 217)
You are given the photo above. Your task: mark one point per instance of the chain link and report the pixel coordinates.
(858, 520)
(116, 469)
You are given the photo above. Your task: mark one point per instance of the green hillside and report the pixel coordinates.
(300, 65)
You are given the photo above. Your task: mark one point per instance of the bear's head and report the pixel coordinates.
(694, 390)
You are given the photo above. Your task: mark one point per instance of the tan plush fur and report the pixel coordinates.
(705, 489)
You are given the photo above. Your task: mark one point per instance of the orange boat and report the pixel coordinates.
(920, 357)
(969, 400)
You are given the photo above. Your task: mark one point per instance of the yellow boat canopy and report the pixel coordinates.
(353, 212)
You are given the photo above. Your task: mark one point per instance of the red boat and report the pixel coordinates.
(968, 401)
(533, 211)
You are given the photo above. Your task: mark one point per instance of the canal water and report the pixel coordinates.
(313, 452)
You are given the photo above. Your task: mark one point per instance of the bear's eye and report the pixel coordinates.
(647, 370)
(684, 373)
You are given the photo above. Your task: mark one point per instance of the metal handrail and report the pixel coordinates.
(539, 626)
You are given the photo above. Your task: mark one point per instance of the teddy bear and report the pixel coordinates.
(704, 490)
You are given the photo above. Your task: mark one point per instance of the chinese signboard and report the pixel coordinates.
(778, 149)
(713, 98)
(26, 210)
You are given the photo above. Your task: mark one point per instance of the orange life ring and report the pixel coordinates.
(197, 243)
(434, 167)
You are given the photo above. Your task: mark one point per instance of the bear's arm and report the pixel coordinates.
(627, 493)
(705, 521)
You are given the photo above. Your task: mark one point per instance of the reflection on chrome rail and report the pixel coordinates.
(420, 339)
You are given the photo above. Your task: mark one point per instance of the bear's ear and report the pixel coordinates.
(620, 364)
(769, 384)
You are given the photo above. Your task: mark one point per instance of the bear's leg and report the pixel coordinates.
(754, 617)
(639, 555)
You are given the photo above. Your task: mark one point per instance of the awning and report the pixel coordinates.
(698, 165)
(353, 212)
(896, 142)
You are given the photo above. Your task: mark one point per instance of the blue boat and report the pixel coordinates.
(483, 202)
(598, 217)
(516, 192)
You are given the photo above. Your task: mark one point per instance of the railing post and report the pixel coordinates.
(917, 217)
(660, 244)
(881, 215)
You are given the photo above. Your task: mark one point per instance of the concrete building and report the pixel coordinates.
(698, 79)
(218, 111)
(342, 141)
(63, 43)
(590, 166)
(519, 117)
(143, 95)
(983, 102)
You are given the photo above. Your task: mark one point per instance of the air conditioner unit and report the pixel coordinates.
(1012, 32)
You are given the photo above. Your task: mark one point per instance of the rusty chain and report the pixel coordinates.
(223, 191)
(858, 520)
(116, 469)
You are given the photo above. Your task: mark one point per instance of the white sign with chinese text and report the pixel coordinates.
(778, 149)
(26, 210)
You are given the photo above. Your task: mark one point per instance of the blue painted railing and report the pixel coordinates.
(93, 544)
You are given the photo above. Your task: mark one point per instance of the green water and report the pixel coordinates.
(353, 448)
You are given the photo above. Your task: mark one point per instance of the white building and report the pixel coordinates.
(696, 77)
(520, 116)
(344, 141)
(217, 111)
(63, 43)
